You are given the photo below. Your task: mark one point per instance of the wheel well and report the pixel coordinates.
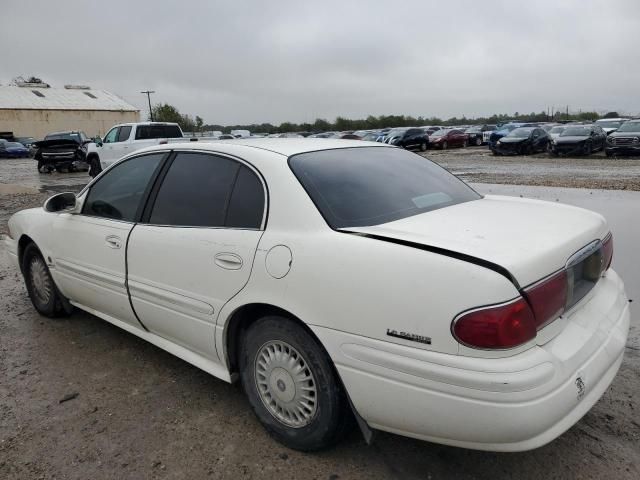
(242, 318)
(22, 245)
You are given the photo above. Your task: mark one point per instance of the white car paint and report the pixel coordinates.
(349, 289)
(109, 152)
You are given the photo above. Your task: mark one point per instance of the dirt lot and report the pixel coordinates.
(80, 398)
(596, 171)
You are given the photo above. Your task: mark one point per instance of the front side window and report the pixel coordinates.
(112, 136)
(353, 187)
(119, 192)
(123, 134)
(195, 191)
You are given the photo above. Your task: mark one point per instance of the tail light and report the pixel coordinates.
(496, 327)
(516, 323)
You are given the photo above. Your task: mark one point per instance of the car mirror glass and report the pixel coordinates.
(61, 202)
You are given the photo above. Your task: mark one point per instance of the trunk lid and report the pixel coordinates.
(529, 238)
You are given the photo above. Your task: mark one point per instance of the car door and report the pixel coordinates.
(411, 138)
(537, 139)
(194, 249)
(120, 147)
(90, 247)
(105, 151)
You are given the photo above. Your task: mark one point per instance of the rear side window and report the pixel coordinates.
(123, 134)
(195, 192)
(118, 193)
(366, 186)
(246, 207)
(146, 132)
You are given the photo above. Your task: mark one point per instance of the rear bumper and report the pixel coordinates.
(501, 404)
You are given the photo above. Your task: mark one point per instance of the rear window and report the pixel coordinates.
(146, 132)
(354, 187)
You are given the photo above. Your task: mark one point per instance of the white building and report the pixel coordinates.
(34, 110)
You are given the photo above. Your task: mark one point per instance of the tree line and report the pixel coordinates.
(169, 113)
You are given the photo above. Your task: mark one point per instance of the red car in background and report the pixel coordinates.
(444, 139)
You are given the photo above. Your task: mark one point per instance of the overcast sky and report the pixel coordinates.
(273, 61)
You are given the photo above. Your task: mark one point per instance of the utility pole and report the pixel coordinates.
(148, 93)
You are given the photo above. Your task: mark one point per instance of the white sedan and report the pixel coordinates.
(339, 280)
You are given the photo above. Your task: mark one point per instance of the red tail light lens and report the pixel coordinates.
(607, 252)
(497, 327)
(548, 298)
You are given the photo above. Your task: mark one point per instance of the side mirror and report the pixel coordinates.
(61, 202)
(98, 141)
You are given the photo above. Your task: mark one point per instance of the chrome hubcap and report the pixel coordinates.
(40, 280)
(285, 384)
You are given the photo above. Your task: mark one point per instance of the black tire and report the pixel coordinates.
(42, 290)
(465, 144)
(478, 141)
(588, 149)
(94, 166)
(423, 147)
(330, 418)
(444, 145)
(608, 154)
(40, 165)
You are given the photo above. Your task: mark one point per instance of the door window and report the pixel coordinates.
(112, 136)
(119, 192)
(124, 133)
(246, 207)
(195, 191)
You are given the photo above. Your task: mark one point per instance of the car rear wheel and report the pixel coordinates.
(292, 386)
(478, 141)
(423, 147)
(444, 145)
(41, 288)
(465, 144)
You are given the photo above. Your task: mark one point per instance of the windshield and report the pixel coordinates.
(557, 130)
(354, 187)
(439, 133)
(610, 123)
(474, 130)
(520, 132)
(14, 144)
(576, 132)
(630, 127)
(508, 128)
(396, 132)
(75, 136)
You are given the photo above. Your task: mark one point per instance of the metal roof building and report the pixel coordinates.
(33, 110)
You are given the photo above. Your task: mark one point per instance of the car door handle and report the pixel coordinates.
(228, 261)
(113, 241)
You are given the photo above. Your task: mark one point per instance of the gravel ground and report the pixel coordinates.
(80, 398)
(477, 164)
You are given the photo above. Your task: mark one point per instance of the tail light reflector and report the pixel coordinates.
(496, 327)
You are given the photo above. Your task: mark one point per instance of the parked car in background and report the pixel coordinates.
(610, 125)
(408, 138)
(625, 140)
(522, 141)
(497, 321)
(503, 130)
(14, 150)
(579, 140)
(63, 151)
(477, 135)
(226, 136)
(28, 142)
(555, 132)
(240, 133)
(373, 136)
(444, 139)
(127, 138)
(431, 128)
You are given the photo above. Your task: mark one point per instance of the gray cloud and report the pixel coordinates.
(257, 61)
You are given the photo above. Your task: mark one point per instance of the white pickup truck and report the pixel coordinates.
(129, 137)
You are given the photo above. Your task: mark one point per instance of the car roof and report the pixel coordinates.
(620, 119)
(282, 146)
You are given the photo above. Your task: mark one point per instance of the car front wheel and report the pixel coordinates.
(423, 147)
(478, 141)
(292, 386)
(41, 288)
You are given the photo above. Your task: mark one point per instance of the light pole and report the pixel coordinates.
(148, 93)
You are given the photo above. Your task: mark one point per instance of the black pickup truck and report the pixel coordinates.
(62, 151)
